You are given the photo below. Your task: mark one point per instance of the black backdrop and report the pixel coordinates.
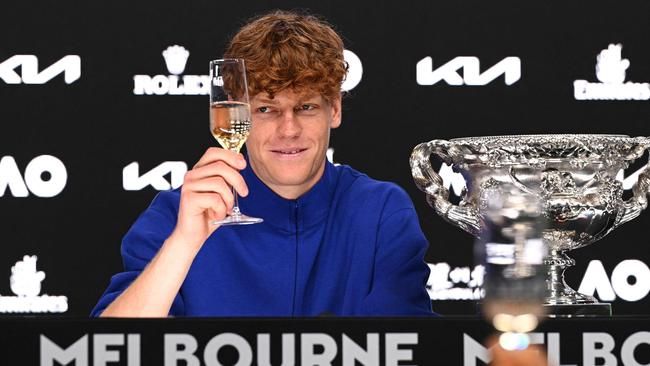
(96, 126)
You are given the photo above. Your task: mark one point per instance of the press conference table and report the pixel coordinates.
(336, 341)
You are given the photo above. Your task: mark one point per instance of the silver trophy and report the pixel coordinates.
(574, 176)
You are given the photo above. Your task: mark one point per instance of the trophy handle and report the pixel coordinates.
(641, 190)
(635, 205)
(429, 182)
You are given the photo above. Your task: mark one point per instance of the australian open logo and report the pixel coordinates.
(175, 83)
(610, 71)
(25, 283)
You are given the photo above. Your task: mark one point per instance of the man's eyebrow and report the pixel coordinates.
(265, 100)
(308, 97)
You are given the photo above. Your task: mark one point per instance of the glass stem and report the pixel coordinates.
(235, 208)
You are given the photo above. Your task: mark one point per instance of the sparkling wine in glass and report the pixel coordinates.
(230, 118)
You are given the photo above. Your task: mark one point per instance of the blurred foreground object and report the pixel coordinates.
(511, 249)
(529, 356)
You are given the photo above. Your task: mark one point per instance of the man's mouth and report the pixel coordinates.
(289, 152)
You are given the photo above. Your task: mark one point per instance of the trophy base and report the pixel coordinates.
(578, 310)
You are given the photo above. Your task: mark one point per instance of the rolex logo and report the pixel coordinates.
(175, 59)
(174, 83)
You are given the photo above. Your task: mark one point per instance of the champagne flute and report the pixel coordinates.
(230, 118)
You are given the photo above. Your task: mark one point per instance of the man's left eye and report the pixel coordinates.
(306, 107)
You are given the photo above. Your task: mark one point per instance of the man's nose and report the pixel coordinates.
(289, 124)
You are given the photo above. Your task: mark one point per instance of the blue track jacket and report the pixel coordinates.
(350, 246)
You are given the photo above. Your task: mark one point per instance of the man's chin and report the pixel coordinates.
(289, 180)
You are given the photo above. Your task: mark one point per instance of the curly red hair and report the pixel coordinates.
(287, 50)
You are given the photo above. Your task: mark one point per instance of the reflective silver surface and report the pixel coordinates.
(573, 175)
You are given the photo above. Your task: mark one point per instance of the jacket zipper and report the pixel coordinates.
(295, 276)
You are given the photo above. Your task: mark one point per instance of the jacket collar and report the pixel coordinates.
(306, 211)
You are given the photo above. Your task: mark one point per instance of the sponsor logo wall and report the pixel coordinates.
(97, 120)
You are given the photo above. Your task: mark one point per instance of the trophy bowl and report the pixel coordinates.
(574, 177)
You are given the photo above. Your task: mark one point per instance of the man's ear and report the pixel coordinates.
(336, 112)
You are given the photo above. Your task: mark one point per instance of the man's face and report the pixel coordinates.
(289, 138)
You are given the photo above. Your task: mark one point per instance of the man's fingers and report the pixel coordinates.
(213, 185)
(219, 169)
(213, 154)
(210, 201)
(211, 217)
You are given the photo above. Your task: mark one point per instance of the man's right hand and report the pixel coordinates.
(207, 196)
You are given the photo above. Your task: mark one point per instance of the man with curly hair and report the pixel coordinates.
(333, 241)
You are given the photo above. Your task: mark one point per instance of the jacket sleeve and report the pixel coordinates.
(400, 273)
(139, 246)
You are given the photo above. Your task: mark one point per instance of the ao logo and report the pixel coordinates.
(69, 65)
(133, 181)
(510, 67)
(596, 280)
(34, 180)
